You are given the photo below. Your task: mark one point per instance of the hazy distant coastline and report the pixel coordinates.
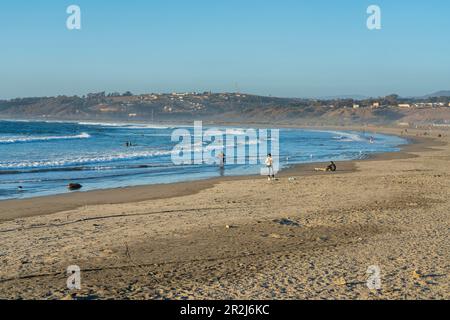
(232, 107)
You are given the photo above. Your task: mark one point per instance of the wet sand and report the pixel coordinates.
(21, 208)
(311, 237)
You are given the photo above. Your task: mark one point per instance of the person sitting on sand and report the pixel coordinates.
(331, 167)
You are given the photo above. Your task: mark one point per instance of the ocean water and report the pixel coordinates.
(44, 157)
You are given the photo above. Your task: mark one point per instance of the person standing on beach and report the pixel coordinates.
(221, 157)
(269, 164)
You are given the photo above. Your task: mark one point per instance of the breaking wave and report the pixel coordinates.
(82, 160)
(346, 136)
(123, 125)
(24, 139)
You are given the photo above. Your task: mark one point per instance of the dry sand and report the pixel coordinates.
(244, 238)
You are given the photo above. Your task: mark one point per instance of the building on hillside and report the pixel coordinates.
(96, 95)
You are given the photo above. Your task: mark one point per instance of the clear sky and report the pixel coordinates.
(279, 47)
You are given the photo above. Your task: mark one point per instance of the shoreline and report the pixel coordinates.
(246, 238)
(50, 204)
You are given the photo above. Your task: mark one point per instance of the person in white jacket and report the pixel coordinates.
(269, 164)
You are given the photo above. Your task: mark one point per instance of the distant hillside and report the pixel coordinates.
(223, 107)
(345, 96)
(442, 93)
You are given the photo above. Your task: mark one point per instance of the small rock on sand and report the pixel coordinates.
(287, 222)
(323, 238)
(275, 236)
(74, 186)
(340, 281)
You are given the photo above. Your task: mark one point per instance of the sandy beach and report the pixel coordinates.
(309, 235)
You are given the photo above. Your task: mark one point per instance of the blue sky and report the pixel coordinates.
(282, 48)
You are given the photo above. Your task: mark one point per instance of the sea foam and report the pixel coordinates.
(24, 139)
(82, 160)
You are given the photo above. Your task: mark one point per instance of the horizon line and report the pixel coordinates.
(325, 97)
